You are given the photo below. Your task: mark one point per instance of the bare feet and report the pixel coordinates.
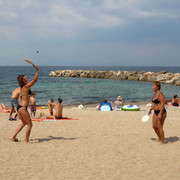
(14, 139)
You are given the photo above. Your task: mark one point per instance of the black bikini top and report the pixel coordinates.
(29, 92)
(156, 101)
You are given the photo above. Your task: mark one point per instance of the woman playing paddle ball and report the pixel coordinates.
(24, 96)
(159, 111)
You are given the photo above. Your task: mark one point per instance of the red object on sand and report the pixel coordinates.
(48, 119)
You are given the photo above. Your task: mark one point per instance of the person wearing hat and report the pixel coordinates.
(118, 103)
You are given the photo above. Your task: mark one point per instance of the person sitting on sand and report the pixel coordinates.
(58, 109)
(175, 100)
(104, 103)
(14, 103)
(118, 103)
(33, 104)
(50, 107)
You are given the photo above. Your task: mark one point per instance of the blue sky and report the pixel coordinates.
(90, 32)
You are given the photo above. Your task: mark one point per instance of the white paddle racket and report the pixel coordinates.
(145, 118)
(30, 62)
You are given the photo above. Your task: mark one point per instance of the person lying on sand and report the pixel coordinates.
(58, 109)
(3, 108)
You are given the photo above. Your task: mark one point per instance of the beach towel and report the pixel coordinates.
(47, 119)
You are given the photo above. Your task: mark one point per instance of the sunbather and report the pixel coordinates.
(118, 103)
(3, 108)
(103, 104)
(175, 100)
(58, 109)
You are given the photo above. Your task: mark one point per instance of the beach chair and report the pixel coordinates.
(105, 108)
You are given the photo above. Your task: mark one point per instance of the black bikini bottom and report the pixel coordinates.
(158, 111)
(58, 117)
(19, 107)
(175, 104)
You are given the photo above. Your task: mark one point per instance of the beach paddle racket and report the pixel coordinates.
(145, 118)
(30, 62)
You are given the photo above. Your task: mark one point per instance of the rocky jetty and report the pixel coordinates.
(164, 77)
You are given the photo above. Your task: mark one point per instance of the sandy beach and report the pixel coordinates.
(113, 145)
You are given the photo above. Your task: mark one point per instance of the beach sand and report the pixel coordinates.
(112, 145)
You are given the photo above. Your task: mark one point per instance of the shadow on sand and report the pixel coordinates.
(170, 139)
(49, 138)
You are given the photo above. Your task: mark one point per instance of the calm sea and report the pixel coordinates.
(81, 90)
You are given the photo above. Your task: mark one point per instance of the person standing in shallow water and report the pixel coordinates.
(159, 114)
(24, 96)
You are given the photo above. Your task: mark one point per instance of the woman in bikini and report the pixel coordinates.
(24, 96)
(159, 111)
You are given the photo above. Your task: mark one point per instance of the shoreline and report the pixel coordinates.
(93, 104)
(96, 104)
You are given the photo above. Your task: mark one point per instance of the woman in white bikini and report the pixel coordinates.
(24, 96)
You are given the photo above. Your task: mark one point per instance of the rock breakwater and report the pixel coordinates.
(164, 77)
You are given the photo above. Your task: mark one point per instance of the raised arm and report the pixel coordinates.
(52, 104)
(35, 78)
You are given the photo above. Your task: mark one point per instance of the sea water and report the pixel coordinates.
(82, 90)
